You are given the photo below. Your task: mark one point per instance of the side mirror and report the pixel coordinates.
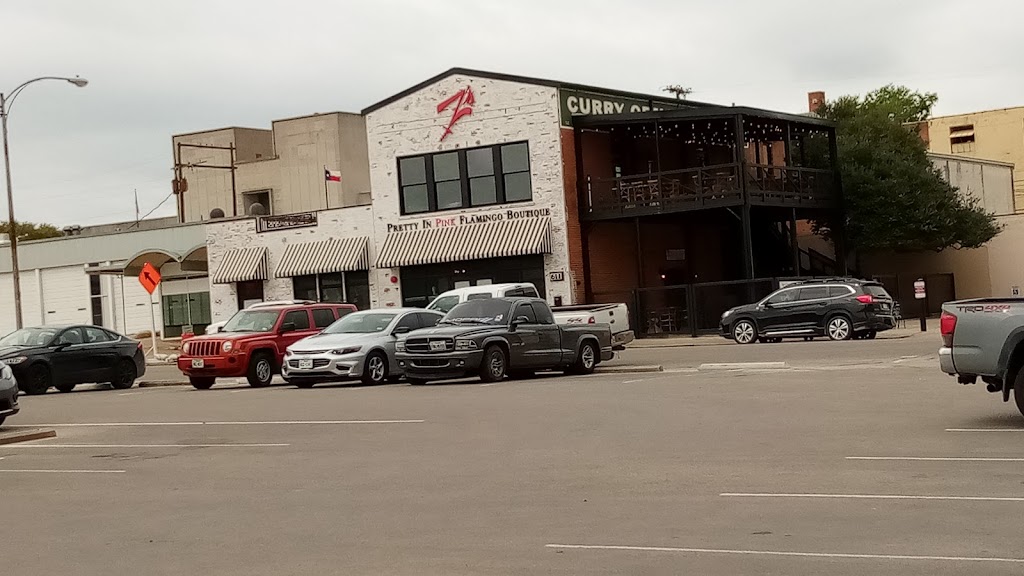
(288, 327)
(520, 320)
(220, 329)
(402, 330)
(61, 347)
(767, 305)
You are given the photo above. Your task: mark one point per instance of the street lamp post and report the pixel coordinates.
(5, 109)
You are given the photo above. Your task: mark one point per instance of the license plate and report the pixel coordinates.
(437, 346)
(198, 363)
(306, 364)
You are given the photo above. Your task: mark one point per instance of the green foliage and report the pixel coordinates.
(32, 231)
(893, 198)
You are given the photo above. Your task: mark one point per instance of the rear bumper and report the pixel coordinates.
(622, 338)
(946, 361)
(214, 366)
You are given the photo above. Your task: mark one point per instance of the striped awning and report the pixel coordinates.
(466, 242)
(240, 265)
(324, 256)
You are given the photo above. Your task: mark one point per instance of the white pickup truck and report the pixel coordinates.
(615, 315)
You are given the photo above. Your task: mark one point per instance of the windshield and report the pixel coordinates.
(444, 303)
(29, 337)
(360, 323)
(252, 321)
(489, 311)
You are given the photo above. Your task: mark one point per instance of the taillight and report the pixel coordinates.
(591, 320)
(866, 299)
(947, 325)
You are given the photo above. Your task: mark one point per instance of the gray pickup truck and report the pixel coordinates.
(984, 338)
(495, 337)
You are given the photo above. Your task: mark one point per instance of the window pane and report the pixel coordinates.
(449, 195)
(330, 288)
(357, 286)
(427, 320)
(410, 321)
(526, 310)
(517, 187)
(446, 167)
(480, 162)
(413, 170)
(515, 158)
(323, 317)
(304, 287)
(298, 317)
(415, 198)
(836, 291)
(483, 191)
(813, 293)
(96, 335)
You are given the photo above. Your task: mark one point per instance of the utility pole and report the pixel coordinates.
(12, 225)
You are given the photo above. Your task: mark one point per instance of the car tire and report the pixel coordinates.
(124, 375)
(744, 331)
(375, 369)
(39, 380)
(870, 335)
(261, 370)
(494, 364)
(1018, 391)
(65, 387)
(201, 382)
(838, 328)
(2, 418)
(586, 360)
(417, 382)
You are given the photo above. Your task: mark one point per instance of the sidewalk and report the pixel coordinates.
(912, 329)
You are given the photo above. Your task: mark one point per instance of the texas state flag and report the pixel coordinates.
(332, 175)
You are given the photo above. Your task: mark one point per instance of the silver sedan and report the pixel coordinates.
(360, 345)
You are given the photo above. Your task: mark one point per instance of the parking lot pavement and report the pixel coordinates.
(795, 471)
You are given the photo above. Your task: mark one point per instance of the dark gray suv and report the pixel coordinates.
(838, 308)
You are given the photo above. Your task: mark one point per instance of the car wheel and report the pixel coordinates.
(2, 418)
(870, 335)
(261, 370)
(125, 375)
(303, 383)
(201, 382)
(839, 328)
(65, 387)
(744, 332)
(493, 367)
(417, 382)
(1018, 391)
(586, 360)
(39, 380)
(375, 371)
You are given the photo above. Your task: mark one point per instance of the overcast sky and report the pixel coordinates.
(162, 68)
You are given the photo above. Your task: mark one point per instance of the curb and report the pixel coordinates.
(744, 366)
(162, 383)
(11, 437)
(627, 369)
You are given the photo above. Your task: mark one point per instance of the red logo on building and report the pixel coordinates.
(463, 101)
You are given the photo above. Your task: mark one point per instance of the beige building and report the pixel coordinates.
(282, 169)
(991, 135)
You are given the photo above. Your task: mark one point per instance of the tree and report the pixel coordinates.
(893, 197)
(680, 91)
(31, 230)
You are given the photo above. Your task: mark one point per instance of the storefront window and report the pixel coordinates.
(474, 177)
(357, 289)
(348, 287)
(332, 287)
(304, 288)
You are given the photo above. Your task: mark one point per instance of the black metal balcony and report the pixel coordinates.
(664, 192)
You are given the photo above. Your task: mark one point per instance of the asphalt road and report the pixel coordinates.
(818, 469)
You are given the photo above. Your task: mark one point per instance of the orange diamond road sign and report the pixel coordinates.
(149, 277)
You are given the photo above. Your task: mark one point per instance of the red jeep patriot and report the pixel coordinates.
(253, 341)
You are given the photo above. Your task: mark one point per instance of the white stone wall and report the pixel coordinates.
(224, 235)
(504, 112)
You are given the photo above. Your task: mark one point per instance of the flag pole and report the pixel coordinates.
(327, 193)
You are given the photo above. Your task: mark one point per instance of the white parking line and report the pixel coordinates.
(241, 423)
(66, 471)
(145, 445)
(633, 381)
(789, 554)
(984, 429)
(872, 496)
(935, 459)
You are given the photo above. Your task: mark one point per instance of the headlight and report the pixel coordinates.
(288, 352)
(726, 313)
(465, 345)
(14, 360)
(184, 348)
(349, 350)
(400, 346)
(228, 346)
(5, 372)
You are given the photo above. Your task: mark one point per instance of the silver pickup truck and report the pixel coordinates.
(984, 338)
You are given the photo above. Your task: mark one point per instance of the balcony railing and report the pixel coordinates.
(671, 191)
(789, 186)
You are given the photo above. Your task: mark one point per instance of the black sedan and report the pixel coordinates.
(65, 356)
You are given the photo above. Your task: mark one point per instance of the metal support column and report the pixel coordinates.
(794, 243)
(748, 242)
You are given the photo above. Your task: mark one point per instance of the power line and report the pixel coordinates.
(162, 202)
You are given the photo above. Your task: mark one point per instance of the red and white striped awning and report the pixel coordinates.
(495, 239)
